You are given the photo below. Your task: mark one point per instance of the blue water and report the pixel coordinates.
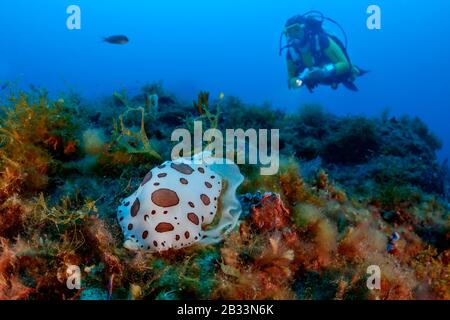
(232, 46)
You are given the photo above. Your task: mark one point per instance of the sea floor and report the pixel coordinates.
(353, 194)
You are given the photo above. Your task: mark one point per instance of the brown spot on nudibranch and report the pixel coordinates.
(191, 204)
(208, 185)
(183, 181)
(162, 175)
(164, 227)
(182, 168)
(177, 237)
(135, 207)
(130, 226)
(155, 243)
(205, 199)
(165, 198)
(145, 234)
(147, 178)
(187, 235)
(201, 170)
(193, 218)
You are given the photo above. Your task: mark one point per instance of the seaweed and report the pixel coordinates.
(36, 135)
(134, 142)
(210, 117)
(354, 143)
(308, 232)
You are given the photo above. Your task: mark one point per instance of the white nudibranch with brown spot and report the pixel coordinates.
(176, 202)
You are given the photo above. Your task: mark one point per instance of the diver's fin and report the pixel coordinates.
(350, 86)
(361, 72)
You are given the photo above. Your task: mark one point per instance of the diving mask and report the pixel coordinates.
(295, 31)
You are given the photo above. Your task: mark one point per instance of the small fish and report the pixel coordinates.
(118, 39)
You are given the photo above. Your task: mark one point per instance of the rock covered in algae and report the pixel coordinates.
(270, 214)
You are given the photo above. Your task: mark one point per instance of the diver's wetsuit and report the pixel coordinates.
(323, 50)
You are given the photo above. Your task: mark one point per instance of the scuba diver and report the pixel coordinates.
(316, 57)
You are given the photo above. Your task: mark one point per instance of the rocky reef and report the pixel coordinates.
(351, 192)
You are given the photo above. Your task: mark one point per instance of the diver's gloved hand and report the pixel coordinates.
(312, 74)
(317, 74)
